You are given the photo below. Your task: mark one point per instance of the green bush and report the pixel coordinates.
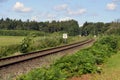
(78, 63)
(44, 74)
(8, 50)
(26, 44)
(111, 41)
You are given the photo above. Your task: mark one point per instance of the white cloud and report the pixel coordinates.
(50, 16)
(111, 6)
(77, 12)
(34, 18)
(61, 7)
(43, 17)
(65, 19)
(19, 7)
(70, 18)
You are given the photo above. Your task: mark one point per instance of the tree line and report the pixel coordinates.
(71, 26)
(94, 28)
(98, 28)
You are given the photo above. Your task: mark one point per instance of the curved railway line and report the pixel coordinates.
(18, 64)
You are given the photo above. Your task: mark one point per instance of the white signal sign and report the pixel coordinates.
(65, 36)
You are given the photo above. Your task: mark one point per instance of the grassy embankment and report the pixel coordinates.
(111, 69)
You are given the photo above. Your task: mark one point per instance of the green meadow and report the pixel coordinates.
(10, 40)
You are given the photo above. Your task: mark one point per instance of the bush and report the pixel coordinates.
(111, 41)
(8, 50)
(25, 45)
(44, 74)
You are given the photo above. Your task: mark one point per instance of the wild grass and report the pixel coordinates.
(10, 45)
(111, 69)
(10, 40)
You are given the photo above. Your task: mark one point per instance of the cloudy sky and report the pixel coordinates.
(44, 10)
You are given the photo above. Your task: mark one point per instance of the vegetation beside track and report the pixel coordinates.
(110, 70)
(83, 62)
(12, 45)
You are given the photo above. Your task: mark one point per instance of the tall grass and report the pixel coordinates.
(111, 69)
(10, 40)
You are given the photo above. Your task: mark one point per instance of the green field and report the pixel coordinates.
(10, 40)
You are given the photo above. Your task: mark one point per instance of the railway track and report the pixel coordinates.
(7, 63)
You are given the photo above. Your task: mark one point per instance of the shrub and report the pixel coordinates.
(25, 45)
(111, 41)
(8, 50)
(44, 74)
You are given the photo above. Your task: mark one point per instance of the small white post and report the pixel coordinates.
(65, 36)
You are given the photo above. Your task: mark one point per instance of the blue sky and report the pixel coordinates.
(48, 10)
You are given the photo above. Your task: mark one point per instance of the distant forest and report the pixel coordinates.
(100, 28)
(71, 26)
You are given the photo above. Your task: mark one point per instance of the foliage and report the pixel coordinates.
(83, 62)
(94, 28)
(26, 42)
(111, 41)
(8, 50)
(114, 28)
(99, 28)
(47, 74)
(77, 64)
